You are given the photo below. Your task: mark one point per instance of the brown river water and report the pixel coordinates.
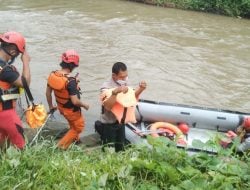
(186, 57)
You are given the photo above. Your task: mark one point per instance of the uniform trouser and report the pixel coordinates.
(11, 128)
(114, 133)
(76, 125)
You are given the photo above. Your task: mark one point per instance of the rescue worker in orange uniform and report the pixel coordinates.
(12, 45)
(115, 114)
(67, 96)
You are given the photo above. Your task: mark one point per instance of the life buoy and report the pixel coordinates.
(168, 127)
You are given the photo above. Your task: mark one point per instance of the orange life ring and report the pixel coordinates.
(168, 127)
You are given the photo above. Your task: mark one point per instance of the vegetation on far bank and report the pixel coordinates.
(160, 166)
(235, 8)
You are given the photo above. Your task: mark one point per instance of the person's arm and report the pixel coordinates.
(25, 72)
(109, 102)
(140, 89)
(26, 68)
(49, 97)
(73, 91)
(77, 102)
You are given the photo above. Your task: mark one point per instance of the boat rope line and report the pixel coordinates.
(133, 127)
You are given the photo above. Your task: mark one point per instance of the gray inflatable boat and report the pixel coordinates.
(204, 123)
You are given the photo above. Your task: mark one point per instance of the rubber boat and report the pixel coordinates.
(159, 118)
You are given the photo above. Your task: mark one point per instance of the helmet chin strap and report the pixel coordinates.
(12, 57)
(12, 60)
(5, 50)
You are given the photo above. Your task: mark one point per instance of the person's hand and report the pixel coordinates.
(52, 109)
(77, 78)
(143, 85)
(86, 106)
(25, 57)
(123, 89)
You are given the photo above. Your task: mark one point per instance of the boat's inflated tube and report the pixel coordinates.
(194, 116)
(169, 127)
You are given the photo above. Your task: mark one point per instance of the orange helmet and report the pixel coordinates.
(71, 56)
(246, 123)
(14, 38)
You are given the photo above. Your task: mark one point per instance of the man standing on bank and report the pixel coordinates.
(118, 106)
(67, 95)
(12, 44)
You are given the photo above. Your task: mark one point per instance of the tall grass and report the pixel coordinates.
(160, 166)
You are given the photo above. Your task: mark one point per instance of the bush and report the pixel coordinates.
(158, 166)
(236, 8)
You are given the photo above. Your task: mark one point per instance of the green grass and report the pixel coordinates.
(161, 166)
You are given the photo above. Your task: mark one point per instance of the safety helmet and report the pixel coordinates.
(246, 123)
(184, 128)
(71, 56)
(14, 38)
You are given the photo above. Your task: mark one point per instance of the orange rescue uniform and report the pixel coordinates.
(10, 123)
(64, 87)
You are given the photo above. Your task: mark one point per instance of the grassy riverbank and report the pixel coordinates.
(159, 167)
(235, 8)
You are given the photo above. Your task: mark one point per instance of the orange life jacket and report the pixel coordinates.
(58, 82)
(124, 108)
(8, 94)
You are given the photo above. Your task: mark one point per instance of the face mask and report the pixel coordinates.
(122, 82)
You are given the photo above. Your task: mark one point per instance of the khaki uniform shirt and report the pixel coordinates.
(107, 116)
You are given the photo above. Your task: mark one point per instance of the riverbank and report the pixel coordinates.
(163, 166)
(224, 7)
(56, 130)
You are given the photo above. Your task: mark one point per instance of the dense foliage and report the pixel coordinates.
(237, 8)
(159, 165)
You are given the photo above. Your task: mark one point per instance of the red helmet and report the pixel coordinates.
(14, 38)
(246, 123)
(71, 56)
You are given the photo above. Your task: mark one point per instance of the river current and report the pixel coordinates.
(186, 57)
